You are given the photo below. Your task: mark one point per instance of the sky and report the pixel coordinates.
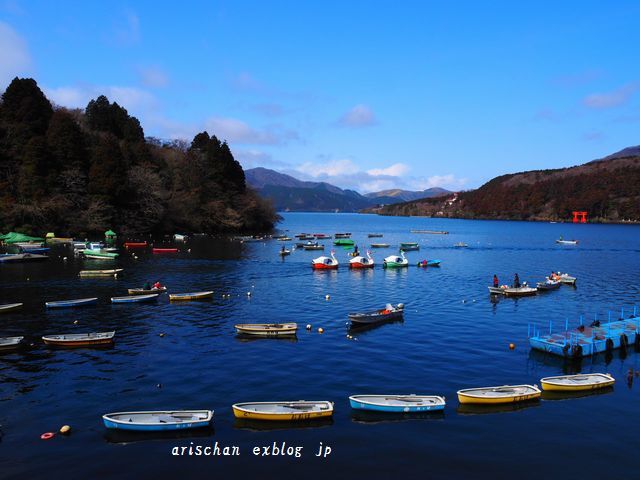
(367, 95)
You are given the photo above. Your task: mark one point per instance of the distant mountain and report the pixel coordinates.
(407, 195)
(608, 189)
(289, 193)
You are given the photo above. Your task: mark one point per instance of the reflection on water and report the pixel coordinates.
(261, 426)
(365, 417)
(128, 436)
(558, 395)
(474, 409)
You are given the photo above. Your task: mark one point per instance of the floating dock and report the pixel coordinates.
(588, 340)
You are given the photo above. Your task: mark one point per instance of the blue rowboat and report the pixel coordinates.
(398, 403)
(34, 250)
(429, 263)
(136, 298)
(80, 302)
(158, 420)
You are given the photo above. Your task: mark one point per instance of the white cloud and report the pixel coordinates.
(615, 98)
(359, 116)
(395, 170)
(252, 158)
(15, 59)
(333, 168)
(132, 98)
(127, 29)
(238, 131)
(450, 182)
(153, 77)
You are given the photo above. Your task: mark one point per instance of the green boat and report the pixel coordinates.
(99, 254)
(344, 242)
(406, 246)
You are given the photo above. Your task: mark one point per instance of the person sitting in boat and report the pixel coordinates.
(355, 250)
(282, 249)
(496, 282)
(516, 281)
(147, 286)
(553, 277)
(424, 263)
(157, 285)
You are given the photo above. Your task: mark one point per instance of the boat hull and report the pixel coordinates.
(323, 266)
(468, 396)
(239, 411)
(81, 302)
(136, 298)
(551, 384)
(155, 427)
(75, 340)
(10, 307)
(267, 330)
(369, 403)
(140, 291)
(165, 250)
(190, 296)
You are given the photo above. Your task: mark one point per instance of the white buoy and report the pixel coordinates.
(327, 296)
(248, 294)
(308, 326)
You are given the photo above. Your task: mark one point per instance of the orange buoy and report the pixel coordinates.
(511, 346)
(47, 436)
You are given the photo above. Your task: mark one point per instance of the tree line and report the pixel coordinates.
(78, 172)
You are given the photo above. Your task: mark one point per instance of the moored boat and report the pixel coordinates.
(313, 246)
(409, 246)
(178, 237)
(379, 245)
(7, 343)
(135, 244)
(325, 263)
(284, 252)
(374, 235)
(158, 420)
(362, 262)
(342, 235)
(99, 254)
(191, 296)
(283, 411)
(388, 313)
(502, 394)
(79, 339)
(267, 329)
(567, 242)
(142, 291)
(10, 307)
(397, 403)
(321, 236)
(432, 232)
(136, 298)
(460, 245)
(566, 278)
(101, 273)
(22, 257)
(548, 285)
(79, 302)
(523, 291)
(429, 263)
(576, 383)
(343, 242)
(164, 250)
(396, 261)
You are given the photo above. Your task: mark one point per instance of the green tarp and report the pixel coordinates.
(14, 237)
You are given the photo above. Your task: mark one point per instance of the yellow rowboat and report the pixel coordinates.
(283, 411)
(80, 339)
(496, 395)
(267, 329)
(190, 296)
(577, 383)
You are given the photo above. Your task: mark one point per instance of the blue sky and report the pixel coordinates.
(363, 94)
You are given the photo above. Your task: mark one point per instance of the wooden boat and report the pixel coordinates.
(388, 313)
(178, 237)
(284, 252)
(460, 245)
(158, 420)
(523, 291)
(284, 239)
(374, 235)
(548, 285)
(432, 232)
(503, 394)
(79, 339)
(362, 262)
(135, 244)
(142, 291)
(100, 254)
(429, 263)
(397, 403)
(80, 302)
(325, 263)
(21, 257)
(396, 261)
(343, 242)
(190, 296)
(342, 235)
(567, 242)
(164, 250)
(10, 307)
(101, 273)
(408, 246)
(283, 411)
(267, 329)
(136, 298)
(576, 383)
(7, 343)
(321, 236)
(379, 245)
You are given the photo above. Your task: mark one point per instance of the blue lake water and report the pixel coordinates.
(453, 336)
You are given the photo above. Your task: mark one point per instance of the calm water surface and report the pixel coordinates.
(453, 337)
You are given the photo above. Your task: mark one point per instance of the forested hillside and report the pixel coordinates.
(78, 172)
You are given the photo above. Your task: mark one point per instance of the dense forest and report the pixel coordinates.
(608, 189)
(78, 172)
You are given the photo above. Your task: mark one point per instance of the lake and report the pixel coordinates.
(454, 335)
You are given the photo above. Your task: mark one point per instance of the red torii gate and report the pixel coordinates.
(579, 217)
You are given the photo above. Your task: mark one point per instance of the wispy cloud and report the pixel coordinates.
(132, 98)
(126, 31)
(357, 117)
(153, 76)
(245, 81)
(256, 158)
(395, 170)
(237, 131)
(333, 168)
(577, 79)
(15, 59)
(614, 98)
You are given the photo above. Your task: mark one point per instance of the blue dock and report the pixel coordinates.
(587, 340)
